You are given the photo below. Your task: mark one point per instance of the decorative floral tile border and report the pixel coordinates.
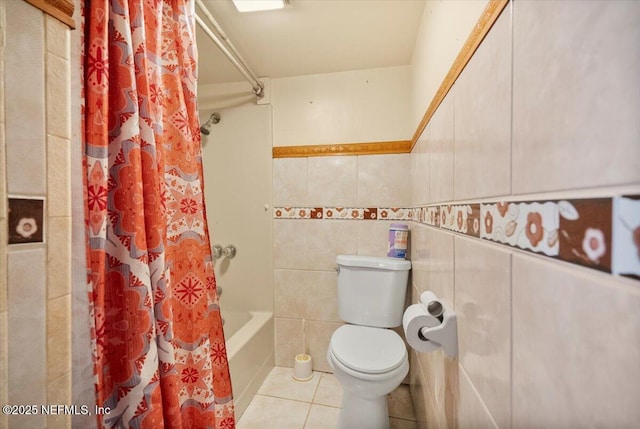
(599, 233)
(529, 226)
(298, 212)
(343, 213)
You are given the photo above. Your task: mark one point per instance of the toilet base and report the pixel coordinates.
(363, 413)
(364, 400)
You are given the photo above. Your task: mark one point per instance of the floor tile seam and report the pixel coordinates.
(326, 405)
(281, 397)
(315, 392)
(306, 417)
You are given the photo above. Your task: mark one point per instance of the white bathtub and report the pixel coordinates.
(249, 341)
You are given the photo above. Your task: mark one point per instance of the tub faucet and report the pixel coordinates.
(216, 251)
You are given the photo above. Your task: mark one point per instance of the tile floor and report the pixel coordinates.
(283, 403)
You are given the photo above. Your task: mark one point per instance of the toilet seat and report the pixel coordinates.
(368, 350)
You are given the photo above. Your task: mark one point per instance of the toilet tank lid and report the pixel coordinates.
(395, 264)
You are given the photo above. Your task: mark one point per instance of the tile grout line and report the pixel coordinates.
(511, 127)
(314, 402)
(511, 325)
(280, 397)
(315, 392)
(306, 417)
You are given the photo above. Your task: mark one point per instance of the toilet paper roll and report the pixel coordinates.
(415, 318)
(427, 297)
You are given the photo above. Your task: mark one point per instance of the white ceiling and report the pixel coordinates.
(311, 36)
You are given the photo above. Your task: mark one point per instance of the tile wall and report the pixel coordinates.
(305, 245)
(35, 279)
(524, 215)
(542, 117)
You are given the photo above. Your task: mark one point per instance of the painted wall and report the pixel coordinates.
(35, 278)
(348, 107)
(237, 176)
(544, 111)
(444, 29)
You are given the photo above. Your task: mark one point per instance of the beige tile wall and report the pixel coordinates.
(483, 301)
(576, 347)
(35, 317)
(305, 250)
(585, 59)
(541, 343)
(482, 102)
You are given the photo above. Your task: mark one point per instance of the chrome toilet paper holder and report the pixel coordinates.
(445, 334)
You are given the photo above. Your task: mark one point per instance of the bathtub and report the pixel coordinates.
(249, 342)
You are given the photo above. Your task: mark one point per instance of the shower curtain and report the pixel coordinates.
(157, 338)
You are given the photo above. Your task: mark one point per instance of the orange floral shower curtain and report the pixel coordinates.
(159, 350)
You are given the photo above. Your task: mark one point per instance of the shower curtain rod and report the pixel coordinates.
(229, 51)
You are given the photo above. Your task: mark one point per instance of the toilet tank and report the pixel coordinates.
(372, 290)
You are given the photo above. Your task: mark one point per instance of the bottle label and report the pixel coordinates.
(401, 240)
(397, 244)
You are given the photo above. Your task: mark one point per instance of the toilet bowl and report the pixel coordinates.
(369, 359)
(369, 363)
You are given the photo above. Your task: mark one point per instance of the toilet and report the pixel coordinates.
(368, 359)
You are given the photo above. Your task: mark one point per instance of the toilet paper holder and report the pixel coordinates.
(445, 334)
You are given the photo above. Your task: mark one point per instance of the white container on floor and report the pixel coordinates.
(302, 368)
